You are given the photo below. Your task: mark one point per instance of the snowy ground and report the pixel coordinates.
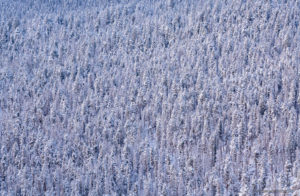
(149, 97)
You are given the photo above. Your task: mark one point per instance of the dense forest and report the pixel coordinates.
(146, 97)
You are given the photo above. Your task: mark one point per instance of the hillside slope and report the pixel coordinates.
(149, 97)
